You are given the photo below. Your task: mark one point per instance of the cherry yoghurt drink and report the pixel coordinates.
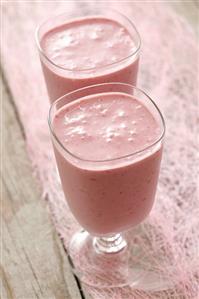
(79, 51)
(108, 143)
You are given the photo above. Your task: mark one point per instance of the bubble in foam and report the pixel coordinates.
(110, 135)
(108, 140)
(133, 132)
(109, 129)
(97, 106)
(77, 130)
(95, 35)
(121, 113)
(130, 139)
(65, 33)
(100, 29)
(104, 112)
(66, 120)
(123, 125)
(68, 40)
(69, 134)
(74, 119)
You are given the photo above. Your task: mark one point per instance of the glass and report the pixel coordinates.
(100, 255)
(60, 80)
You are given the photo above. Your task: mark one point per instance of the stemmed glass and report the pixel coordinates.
(100, 255)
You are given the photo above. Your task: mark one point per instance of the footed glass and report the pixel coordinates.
(108, 197)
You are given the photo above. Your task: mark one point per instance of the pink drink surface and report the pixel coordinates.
(85, 52)
(110, 196)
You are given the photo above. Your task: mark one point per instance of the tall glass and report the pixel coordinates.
(60, 80)
(100, 254)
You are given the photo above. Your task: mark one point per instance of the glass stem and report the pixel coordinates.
(111, 244)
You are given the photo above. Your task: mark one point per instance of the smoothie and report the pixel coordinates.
(88, 51)
(107, 164)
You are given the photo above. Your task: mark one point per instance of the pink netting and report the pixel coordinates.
(168, 72)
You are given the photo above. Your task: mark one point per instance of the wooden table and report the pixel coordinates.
(34, 264)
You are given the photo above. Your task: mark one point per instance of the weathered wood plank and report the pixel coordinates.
(34, 264)
(189, 10)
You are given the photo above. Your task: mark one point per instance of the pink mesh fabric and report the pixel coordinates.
(168, 72)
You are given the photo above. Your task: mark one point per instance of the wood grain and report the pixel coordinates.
(34, 264)
(189, 10)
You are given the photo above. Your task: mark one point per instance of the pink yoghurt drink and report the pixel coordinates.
(87, 50)
(108, 151)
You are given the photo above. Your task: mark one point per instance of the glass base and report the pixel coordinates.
(110, 262)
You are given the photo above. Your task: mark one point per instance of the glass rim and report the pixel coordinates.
(42, 52)
(159, 139)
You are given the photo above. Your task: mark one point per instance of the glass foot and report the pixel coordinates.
(111, 262)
